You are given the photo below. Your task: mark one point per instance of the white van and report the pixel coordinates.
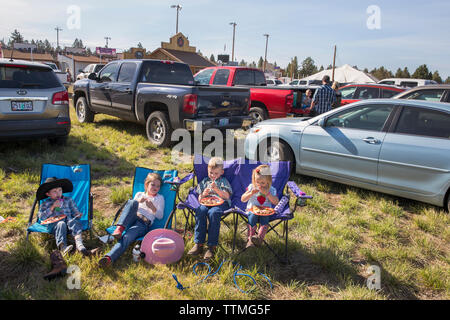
(407, 82)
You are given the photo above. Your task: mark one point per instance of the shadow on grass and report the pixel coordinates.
(315, 267)
(28, 156)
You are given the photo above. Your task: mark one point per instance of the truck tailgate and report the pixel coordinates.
(220, 101)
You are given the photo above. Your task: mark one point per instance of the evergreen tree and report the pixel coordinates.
(406, 73)
(260, 63)
(15, 37)
(422, 72)
(307, 68)
(436, 77)
(212, 59)
(448, 80)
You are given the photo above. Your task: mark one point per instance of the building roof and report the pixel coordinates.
(86, 59)
(191, 58)
(27, 55)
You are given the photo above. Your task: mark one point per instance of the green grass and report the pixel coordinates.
(332, 241)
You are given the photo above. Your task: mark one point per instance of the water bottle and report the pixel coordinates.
(136, 253)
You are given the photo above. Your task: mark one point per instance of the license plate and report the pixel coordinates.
(223, 122)
(21, 105)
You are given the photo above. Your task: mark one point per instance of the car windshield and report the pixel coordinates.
(20, 76)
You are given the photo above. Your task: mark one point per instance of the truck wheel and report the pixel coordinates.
(276, 151)
(84, 114)
(258, 114)
(158, 129)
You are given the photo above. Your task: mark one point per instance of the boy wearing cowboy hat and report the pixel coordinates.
(56, 204)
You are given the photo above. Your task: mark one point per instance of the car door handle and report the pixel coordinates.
(371, 140)
(107, 88)
(128, 90)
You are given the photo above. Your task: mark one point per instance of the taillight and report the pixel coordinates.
(289, 102)
(190, 103)
(60, 98)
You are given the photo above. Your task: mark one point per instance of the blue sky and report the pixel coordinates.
(412, 32)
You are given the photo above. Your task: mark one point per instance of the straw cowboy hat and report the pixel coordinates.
(51, 183)
(162, 246)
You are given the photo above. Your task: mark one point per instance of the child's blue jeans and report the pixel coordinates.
(59, 230)
(136, 228)
(211, 214)
(253, 219)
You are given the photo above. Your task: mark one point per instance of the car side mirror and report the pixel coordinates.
(92, 76)
(80, 70)
(321, 122)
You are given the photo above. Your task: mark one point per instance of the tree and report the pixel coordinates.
(422, 72)
(212, 59)
(406, 73)
(399, 73)
(15, 37)
(381, 73)
(140, 46)
(307, 68)
(436, 77)
(78, 43)
(260, 63)
(448, 80)
(292, 68)
(243, 63)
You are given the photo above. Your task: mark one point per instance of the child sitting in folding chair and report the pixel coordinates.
(137, 216)
(259, 193)
(215, 185)
(56, 205)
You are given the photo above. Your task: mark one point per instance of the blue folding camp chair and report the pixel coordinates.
(169, 190)
(239, 173)
(80, 176)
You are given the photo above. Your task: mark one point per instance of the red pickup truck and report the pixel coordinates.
(266, 102)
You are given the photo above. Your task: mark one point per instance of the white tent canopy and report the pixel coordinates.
(344, 74)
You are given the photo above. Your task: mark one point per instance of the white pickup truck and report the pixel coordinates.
(62, 76)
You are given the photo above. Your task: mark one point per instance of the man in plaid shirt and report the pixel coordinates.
(323, 98)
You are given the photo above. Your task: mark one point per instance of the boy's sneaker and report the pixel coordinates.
(104, 262)
(209, 253)
(196, 250)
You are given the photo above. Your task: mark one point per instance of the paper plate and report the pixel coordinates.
(211, 201)
(262, 211)
(53, 219)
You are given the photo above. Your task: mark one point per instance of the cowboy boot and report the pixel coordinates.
(59, 266)
(258, 239)
(251, 231)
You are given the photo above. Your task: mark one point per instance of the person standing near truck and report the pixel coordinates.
(323, 99)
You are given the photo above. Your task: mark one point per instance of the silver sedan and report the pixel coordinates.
(391, 146)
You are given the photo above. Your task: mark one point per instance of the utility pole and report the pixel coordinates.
(107, 38)
(178, 7)
(265, 56)
(234, 24)
(334, 64)
(58, 29)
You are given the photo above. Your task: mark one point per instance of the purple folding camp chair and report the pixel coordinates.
(239, 173)
(190, 204)
(280, 181)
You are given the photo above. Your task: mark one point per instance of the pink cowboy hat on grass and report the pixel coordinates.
(162, 246)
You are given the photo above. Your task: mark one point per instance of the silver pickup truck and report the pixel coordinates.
(61, 75)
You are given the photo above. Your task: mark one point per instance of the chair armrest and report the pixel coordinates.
(178, 181)
(296, 190)
(281, 204)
